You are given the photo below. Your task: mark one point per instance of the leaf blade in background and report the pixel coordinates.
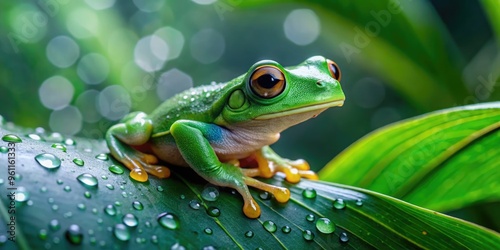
(369, 220)
(451, 154)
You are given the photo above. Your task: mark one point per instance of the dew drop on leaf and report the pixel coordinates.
(74, 234)
(59, 146)
(110, 186)
(310, 217)
(81, 206)
(210, 193)
(359, 202)
(130, 220)
(42, 234)
(343, 238)
(87, 194)
(159, 188)
(137, 205)
(35, 137)
(22, 195)
(194, 204)
(78, 162)
(286, 229)
(270, 226)
(213, 211)
(110, 210)
(102, 157)
(48, 161)
(54, 225)
(4, 149)
(208, 231)
(70, 142)
(168, 220)
(309, 193)
(87, 180)
(11, 138)
(115, 169)
(154, 239)
(249, 234)
(339, 204)
(67, 188)
(325, 225)
(308, 235)
(121, 232)
(265, 195)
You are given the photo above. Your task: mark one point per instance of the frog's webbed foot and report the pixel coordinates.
(135, 129)
(269, 163)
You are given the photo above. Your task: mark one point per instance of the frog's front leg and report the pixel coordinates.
(193, 141)
(134, 130)
(269, 163)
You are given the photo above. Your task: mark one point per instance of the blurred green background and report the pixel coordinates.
(76, 67)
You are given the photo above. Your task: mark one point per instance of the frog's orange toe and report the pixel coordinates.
(159, 171)
(308, 174)
(300, 164)
(139, 174)
(251, 209)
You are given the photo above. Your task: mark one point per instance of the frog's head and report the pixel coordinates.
(277, 96)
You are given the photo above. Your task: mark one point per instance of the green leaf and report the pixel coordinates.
(443, 160)
(423, 60)
(56, 194)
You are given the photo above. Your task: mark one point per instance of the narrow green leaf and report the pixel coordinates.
(56, 199)
(442, 160)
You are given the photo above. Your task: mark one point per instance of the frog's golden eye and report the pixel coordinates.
(334, 69)
(267, 82)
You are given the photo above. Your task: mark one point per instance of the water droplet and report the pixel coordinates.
(117, 203)
(168, 220)
(325, 225)
(343, 237)
(265, 195)
(43, 189)
(42, 234)
(87, 180)
(130, 220)
(11, 138)
(78, 162)
(339, 204)
(137, 205)
(74, 235)
(48, 161)
(3, 238)
(182, 197)
(154, 239)
(18, 177)
(121, 232)
(70, 142)
(50, 200)
(110, 210)
(208, 231)
(249, 234)
(159, 188)
(81, 206)
(102, 157)
(210, 193)
(213, 211)
(359, 202)
(68, 215)
(54, 137)
(286, 229)
(4, 149)
(310, 217)
(54, 225)
(55, 207)
(110, 186)
(115, 169)
(35, 137)
(87, 194)
(59, 146)
(104, 177)
(22, 194)
(67, 188)
(59, 182)
(309, 193)
(270, 226)
(194, 204)
(308, 235)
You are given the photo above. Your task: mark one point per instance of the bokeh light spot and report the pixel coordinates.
(62, 51)
(100, 4)
(149, 5)
(93, 68)
(302, 26)
(114, 102)
(172, 82)
(207, 46)
(150, 53)
(87, 104)
(66, 121)
(56, 92)
(173, 38)
(82, 23)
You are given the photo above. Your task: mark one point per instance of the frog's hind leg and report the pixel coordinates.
(269, 163)
(134, 130)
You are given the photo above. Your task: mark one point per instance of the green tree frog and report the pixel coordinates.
(219, 129)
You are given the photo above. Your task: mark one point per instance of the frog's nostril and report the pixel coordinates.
(320, 84)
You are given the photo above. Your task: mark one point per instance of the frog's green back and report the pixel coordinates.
(203, 103)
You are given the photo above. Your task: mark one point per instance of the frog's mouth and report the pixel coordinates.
(320, 106)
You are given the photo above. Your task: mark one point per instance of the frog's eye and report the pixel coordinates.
(334, 70)
(267, 82)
